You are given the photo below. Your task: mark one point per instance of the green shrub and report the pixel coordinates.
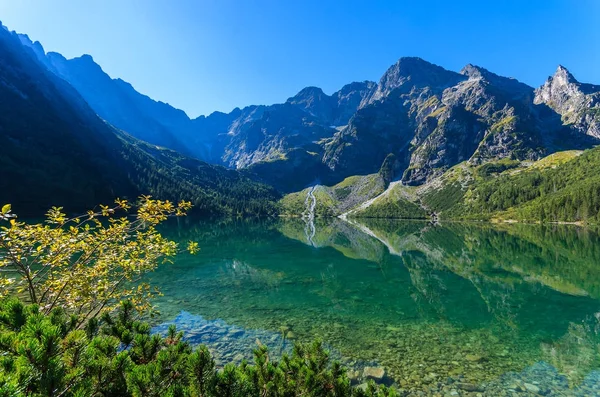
(49, 355)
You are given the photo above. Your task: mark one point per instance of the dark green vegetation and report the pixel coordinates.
(213, 190)
(569, 192)
(54, 150)
(47, 355)
(398, 208)
(562, 188)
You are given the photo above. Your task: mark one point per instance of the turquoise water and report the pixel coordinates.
(443, 309)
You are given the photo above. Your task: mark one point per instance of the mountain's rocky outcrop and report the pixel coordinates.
(577, 103)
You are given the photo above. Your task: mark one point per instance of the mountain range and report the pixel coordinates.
(56, 150)
(419, 122)
(430, 118)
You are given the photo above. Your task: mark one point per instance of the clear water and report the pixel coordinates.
(444, 309)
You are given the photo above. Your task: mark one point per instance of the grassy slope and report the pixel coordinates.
(337, 199)
(400, 202)
(562, 187)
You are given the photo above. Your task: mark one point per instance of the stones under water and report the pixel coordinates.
(442, 309)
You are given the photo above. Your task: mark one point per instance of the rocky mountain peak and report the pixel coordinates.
(577, 103)
(559, 91)
(411, 72)
(509, 85)
(87, 58)
(474, 71)
(562, 76)
(356, 86)
(307, 92)
(314, 101)
(36, 47)
(349, 98)
(409, 68)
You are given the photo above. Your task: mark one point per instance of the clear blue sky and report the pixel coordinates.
(206, 55)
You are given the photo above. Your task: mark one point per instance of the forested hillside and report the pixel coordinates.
(54, 150)
(567, 192)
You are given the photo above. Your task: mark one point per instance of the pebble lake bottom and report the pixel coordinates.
(456, 309)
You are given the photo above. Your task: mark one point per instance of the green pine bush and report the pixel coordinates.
(53, 355)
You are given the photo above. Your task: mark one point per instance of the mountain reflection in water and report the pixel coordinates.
(474, 303)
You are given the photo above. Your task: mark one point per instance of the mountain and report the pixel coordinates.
(55, 150)
(561, 187)
(284, 143)
(578, 104)
(115, 100)
(255, 135)
(432, 119)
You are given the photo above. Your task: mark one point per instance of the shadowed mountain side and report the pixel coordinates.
(55, 150)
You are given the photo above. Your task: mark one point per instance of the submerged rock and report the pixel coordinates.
(531, 388)
(474, 358)
(375, 373)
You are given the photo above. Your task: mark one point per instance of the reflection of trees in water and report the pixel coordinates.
(578, 351)
(459, 272)
(426, 282)
(506, 265)
(240, 272)
(562, 258)
(337, 234)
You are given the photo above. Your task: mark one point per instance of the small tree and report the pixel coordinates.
(87, 264)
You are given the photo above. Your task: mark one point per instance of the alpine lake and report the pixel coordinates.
(449, 309)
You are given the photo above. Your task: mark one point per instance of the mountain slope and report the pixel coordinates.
(255, 135)
(562, 187)
(54, 150)
(577, 103)
(115, 100)
(557, 189)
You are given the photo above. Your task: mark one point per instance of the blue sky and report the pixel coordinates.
(206, 55)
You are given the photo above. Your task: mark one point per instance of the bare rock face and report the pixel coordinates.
(577, 103)
(455, 138)
(315, 102)
(348, 100)
(432, 119)
(412, 73)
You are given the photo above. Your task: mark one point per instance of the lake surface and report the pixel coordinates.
(452, 309)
